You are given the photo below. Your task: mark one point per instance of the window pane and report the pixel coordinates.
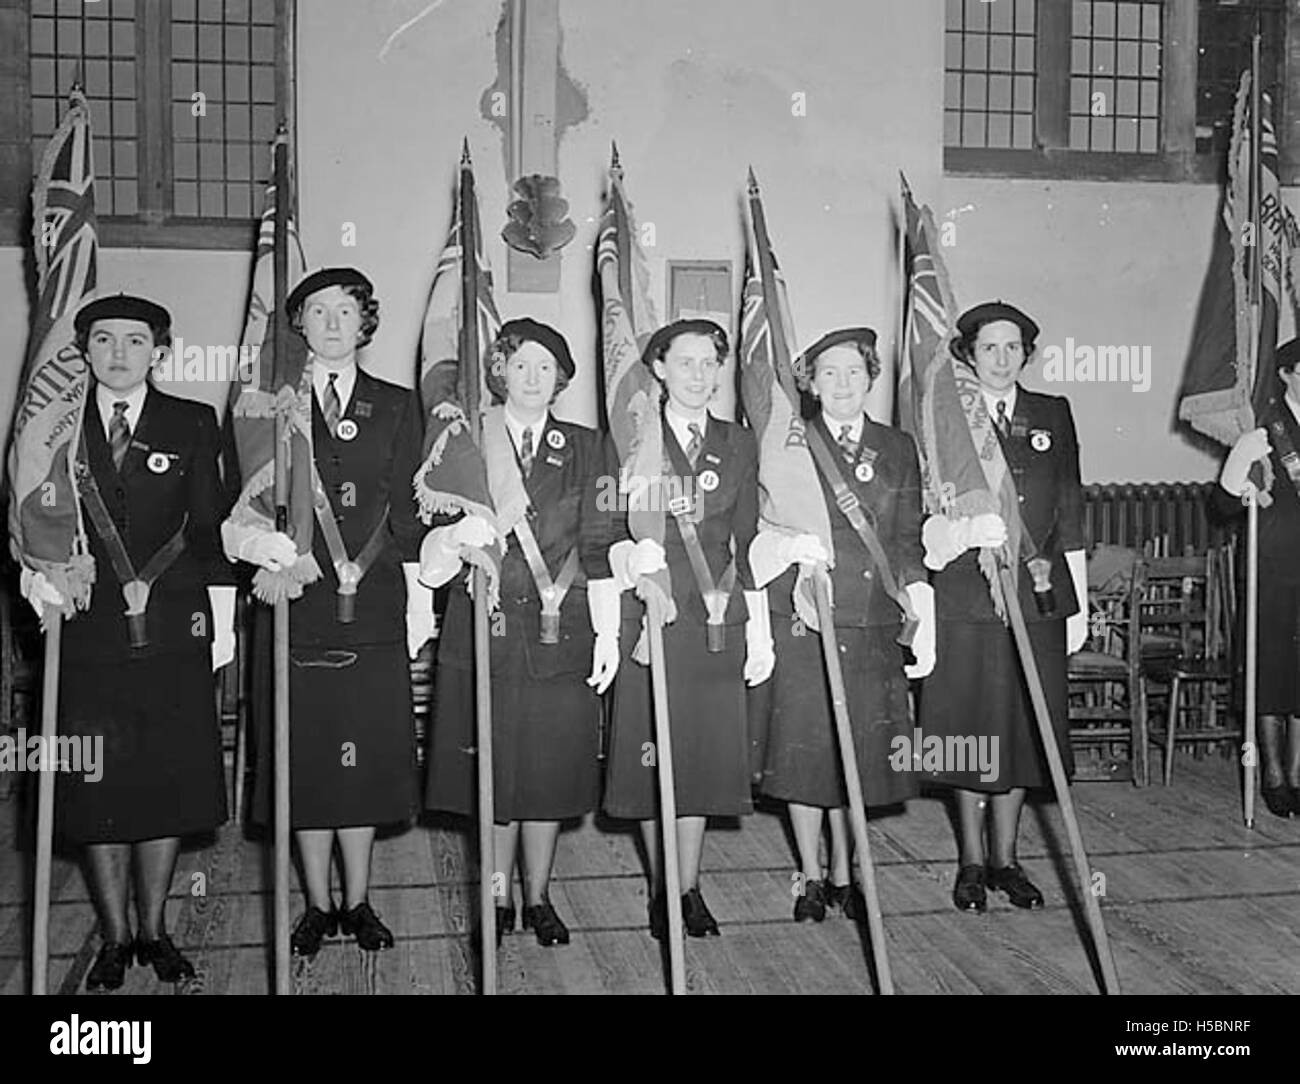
(999, 130)
(125, 198)
(1000, 53)
(1126, 135)
(1022, 130)
(1000, 93)
(185, 199)
(183, 47)
(211, 198)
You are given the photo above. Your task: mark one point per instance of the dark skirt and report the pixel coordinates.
(351, 738)
(710, 737)
(155, 720)
(1278, 678)
(977, 689)
(545, 745)
(803, 753)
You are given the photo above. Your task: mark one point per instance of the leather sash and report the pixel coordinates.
(715, 595)
(848, 503)
(348, 571)
(552, 592)
(135, 585)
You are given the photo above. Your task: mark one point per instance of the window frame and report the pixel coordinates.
(152, 226)
(1177, 160)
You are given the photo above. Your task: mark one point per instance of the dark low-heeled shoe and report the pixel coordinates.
(505, 917)
(314, 926)
(362, 923)
(545, 923)
(969, 893)
(695, 912)
(1281, 801)
(657, 910)
(109, 970)
(849, 899)
(168, 963)
(1020, 890)
(810, 905)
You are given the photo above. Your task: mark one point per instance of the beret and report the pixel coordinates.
(545, 335)
(323, 280)
(662, 339)
(969, 323)
(803, 364)
(122, 307)
(1287, 355)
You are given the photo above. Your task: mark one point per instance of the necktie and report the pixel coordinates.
(696, 442)
(526, 452)
(119, 434)
(1004, 427)
(333, 407)
(847, 442)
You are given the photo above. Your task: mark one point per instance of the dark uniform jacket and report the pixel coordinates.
(567, 465)
(1042, 453)
(369, 480)
(148, 505)
(726, 520)
(1279, 523)
(891, 501)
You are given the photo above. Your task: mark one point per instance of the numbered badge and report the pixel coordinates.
(158, 463)
(1040, 440)
(864, 472)
(709, 481)
(555, 439)
(347, 429)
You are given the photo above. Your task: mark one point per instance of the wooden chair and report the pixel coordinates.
(1106, 703)
(20, 647)
(1185, 631)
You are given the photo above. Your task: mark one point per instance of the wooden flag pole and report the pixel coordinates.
(45, 800)
(1252, 648)
(667, 796)
(283, 975)
(1110, 981)
(852, 781)
(1251, 497)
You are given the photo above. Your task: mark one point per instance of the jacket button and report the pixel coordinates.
(1022, 498)
(867, 574)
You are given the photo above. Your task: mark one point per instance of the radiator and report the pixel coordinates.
(1158, 518)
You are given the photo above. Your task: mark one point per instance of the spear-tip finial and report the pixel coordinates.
(282, 132)
(464, 151)
(753, 182)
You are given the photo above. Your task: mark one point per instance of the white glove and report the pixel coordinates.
(771, 553)
(1076, 626)
(760, 655)
(1249, 449)
(473, 531)
(921, 595)
(421, 622)
(223, 625)
(629, 561)
(604, 607)
(804, 549)
(272, 550)
(947, 539)
(38, 591)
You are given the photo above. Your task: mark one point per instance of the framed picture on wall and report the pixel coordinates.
(701, 289)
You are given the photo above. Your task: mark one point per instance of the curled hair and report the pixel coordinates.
(162, 336)
(865, 351)
(500, 352)
(366, 303)
(716, 336)
(962, 347)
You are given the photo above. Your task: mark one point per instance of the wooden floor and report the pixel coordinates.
(1194, 903)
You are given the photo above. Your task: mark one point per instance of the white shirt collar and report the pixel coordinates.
(106, 397)
(1295, 407)
(516, 429)
(347, 380)
(836, 427)
(991, 401)
(681, 426)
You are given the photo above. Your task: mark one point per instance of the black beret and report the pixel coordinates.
(803, 364)
(323, 280)
(662, 339)
(1287, 355)
(545, 335)
(970, 322)
(123, 307)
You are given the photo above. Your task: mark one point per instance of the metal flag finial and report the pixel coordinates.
(753, 182)
(464, 151)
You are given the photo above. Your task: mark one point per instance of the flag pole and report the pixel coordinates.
(470, 361)
(1252, 648)
(852, 781)
(280, 265)
(45, 800)
(1042, 715)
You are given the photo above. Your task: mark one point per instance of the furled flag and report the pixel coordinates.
(453, 476)
(45, 529)
(269, 388)
(631, 390)
(1226, 384)
(940, 404)
(791, 499)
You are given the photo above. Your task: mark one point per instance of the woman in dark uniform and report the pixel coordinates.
(716, 466)
(352, 737)
(141, 689)
(879, 466)
(977, 688)
(545, 716)
(1278, 664)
